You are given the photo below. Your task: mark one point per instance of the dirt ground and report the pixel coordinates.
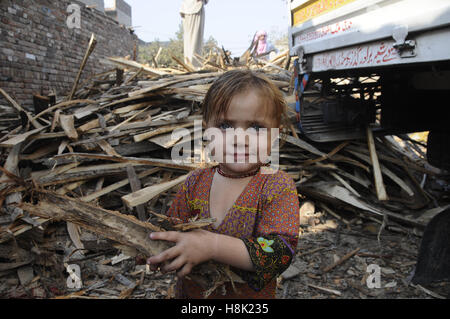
(323, 244)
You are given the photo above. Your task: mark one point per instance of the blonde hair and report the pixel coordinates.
(231, 83)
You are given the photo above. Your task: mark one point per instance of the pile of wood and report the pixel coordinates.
(101, 159)
(378, 179)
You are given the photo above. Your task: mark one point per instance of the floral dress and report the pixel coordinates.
(265, 217)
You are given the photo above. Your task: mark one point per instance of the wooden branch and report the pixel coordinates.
(378, 177)
(107, 148)
(113, 225)
(173, 80)
(340, 261)
(387, 172)
(134, 76)
(184, 65)
(63, 105)
(20, 109)
(137, 66)
(326, 156)
(133, 107)
(124, 229)
(128, 119)
(345, 184)
(93, 124)
(331, 291)
(90, 48)
(161, 130)
(302, 144)
(135, 184)
(132, 160)
(117, 185)
(20, 138)
(145, 194)
(67, 124)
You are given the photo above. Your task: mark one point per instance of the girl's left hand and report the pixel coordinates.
(191, 249)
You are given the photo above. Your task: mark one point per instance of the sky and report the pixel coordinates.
(231, 22)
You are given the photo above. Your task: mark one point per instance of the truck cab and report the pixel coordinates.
(382, 64)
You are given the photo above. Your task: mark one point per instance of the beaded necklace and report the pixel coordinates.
(248, 174)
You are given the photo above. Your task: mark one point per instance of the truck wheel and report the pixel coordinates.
(438, 149)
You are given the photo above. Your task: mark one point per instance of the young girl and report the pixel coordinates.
(257, 221)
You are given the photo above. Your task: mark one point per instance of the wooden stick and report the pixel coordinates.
(93, 124)
(185, 66)
(91, 46)
(129, 108)
(135, 75)
(11, 164)
(387, 172)
(132, 160)
(280, 56)
(62, 106)
(173, 80)
(119, 227)
(302, 144)
(135, 184)
(159, 131)
(20, 138)
(329, 211)
(128, 119)
(69, 187)
(331, 291)
(40, 152)
(293, 130)
(378, 177)
(345, 184)
(20, 109)
(105, 146)
(113, 187)
(158, 54)
(312, 251)
(326, 156)
(67, 124)
(340, 261)
(11, 133)
(137, 66)
(146, 194)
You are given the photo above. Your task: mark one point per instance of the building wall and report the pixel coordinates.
(121, 5)
(39, 52)
(121, 12)
(123, 18)
(100, 4)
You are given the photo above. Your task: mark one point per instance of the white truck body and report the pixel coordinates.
(351, 34)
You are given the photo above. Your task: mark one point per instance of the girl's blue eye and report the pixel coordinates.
(256, 126)
(224, 126)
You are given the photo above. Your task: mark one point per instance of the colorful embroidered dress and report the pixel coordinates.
(265, 216)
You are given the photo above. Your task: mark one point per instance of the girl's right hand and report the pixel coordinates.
(191, 248)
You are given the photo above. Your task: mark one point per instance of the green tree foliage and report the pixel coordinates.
(279, 37)
(172, 47)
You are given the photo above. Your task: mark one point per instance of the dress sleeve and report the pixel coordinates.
(273, 245)
(180, 208)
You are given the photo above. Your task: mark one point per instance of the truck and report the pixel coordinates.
(382, 64)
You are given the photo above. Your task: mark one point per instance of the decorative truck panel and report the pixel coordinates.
(366, 33)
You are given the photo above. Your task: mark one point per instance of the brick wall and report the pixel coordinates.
(38, 51)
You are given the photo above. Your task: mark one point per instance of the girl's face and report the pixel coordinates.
(245, 139)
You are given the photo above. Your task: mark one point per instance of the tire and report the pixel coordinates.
(438, 149)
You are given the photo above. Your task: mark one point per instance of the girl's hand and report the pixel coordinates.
(191, 249)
